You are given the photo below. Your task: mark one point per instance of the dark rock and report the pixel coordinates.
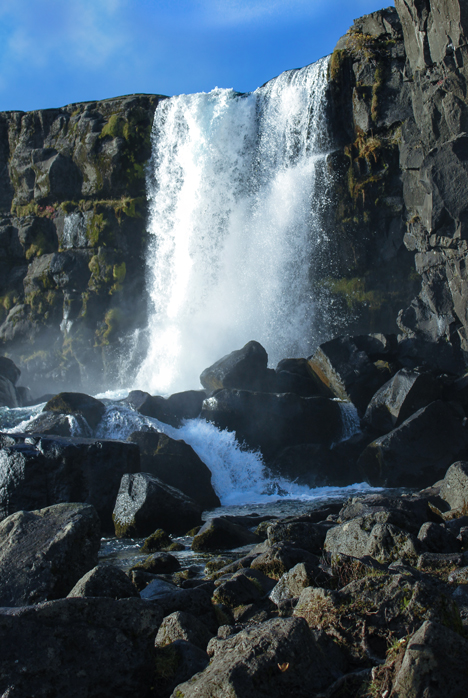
(418, 452)
(170, 598)
(241, 589)
(105, 581)
(8, 394)
(9, 370)
(176, 663)
(156, 541)
(301, 534)
(440, 561)
(145, 503)
(77, 403)
(434, 663)
(73, 633)
(404, 394)
(436, 539)
(158, 563)
(183, 626)
(409, 512)
(243, 369)
(44, 553)
(290, 663)
(52, 424)
(187, 404)
(36, 472)
(151, 406)
(348, 371)
(293, 582)
(176, 463)
(271, 421)
(220, 534)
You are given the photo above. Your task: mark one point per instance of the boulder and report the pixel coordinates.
(8, 395)
(434, 664)
(272, 422)
(159, 540)
(36, 472)
(374, 535)
(301, 534)
(409, 512)
(293, 582)
(93, 647)
(158, 563)
(44, 553)
(77, 403)
(280, 558)
(243, 369)
(183, 626)
(394, 605)
(435, 538)
(145, 503)
(454, 486)
(187, 404)
(9, 370)
(241, 589)
(105, 581)
(176, 663)
(277, 658)
(403, 395)
(154, 406)
(56, 424)
(176, 463)
(348, 371)
(419, 451)
(220, 534)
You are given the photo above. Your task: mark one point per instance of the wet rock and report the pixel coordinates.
(276, 658)
(73, 633)
(454, 486)
(8, 395)
(36, 472)
(156, 541)
(403, 395)
(159, 563)
(272, 421)
(176, 463)
(52, 424)
(243, 369)
(145, 503)
(418, 452)
(105, 581)
(220, 534)
(434, 664)
(348, 371)
(183, 626)
(9, 370)
(44, 553)
(176, 663)
(77, 403)
(187, 404)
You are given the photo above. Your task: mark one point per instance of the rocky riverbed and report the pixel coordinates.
(362, 595)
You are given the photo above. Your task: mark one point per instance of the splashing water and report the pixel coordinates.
(235, 191)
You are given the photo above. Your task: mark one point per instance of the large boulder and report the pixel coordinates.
(183, 626)
(36, 472)
(176, 463)
(243, 369)
(44, 553)
(434, 664)
(77, 403)
(95, 647)
(404, 394)
(145, 503)
(220, 534)
(105, 580)
(419, 451)
(277, 658)
(454, 486)
(271, 421)
(348, 371)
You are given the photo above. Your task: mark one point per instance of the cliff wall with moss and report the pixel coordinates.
(72, 238)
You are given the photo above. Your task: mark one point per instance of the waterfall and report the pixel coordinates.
(235, 189)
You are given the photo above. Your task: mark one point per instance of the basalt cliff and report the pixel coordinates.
(74, 209)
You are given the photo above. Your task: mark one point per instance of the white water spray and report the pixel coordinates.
(233, 224)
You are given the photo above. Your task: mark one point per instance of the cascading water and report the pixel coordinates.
(234, 224)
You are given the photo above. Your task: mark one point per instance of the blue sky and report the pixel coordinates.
(54, 52)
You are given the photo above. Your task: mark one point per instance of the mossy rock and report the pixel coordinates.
(159, 540)
(77, 403)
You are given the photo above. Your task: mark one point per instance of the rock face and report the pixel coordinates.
(72, 223)
(433, 158)
(44, 553)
